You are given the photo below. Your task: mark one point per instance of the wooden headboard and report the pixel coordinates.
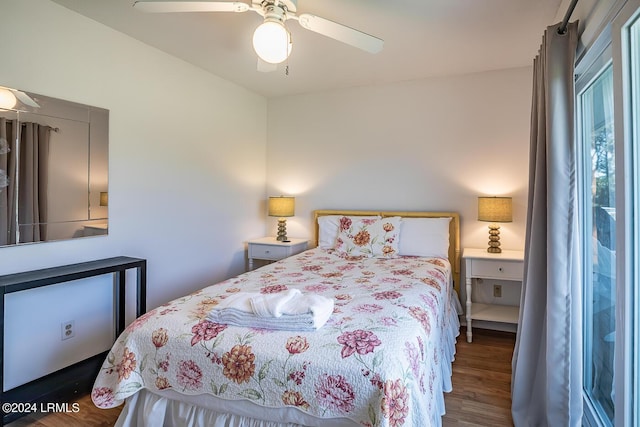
(454, 231)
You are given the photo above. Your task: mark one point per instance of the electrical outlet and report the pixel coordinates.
(67, 330)
(497, 291)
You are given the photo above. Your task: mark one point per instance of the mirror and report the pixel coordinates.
(53, 168)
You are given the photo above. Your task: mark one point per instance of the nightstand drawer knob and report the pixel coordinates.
(267, 251)
(500, 269)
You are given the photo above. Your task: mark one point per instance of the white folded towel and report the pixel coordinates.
(290, 310)
(273, 305)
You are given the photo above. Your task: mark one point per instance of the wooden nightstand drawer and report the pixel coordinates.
(496, 269)
(270, 252)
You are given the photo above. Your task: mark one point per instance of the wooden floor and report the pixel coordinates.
(481, 380)
(481, 393)
(86, 416)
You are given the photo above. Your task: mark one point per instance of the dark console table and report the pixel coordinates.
(63, 385)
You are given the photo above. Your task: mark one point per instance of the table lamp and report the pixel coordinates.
(494, 210)
(281, 207)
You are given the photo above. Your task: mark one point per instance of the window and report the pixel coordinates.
(608, 130)
(597, 159)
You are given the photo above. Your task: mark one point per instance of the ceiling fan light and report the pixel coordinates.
(7, 99)
(272, 42)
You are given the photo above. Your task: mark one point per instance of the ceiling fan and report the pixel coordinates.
(9, 98)
(271, 40)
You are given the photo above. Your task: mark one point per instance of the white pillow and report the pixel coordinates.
(427, 237)
(328, 229)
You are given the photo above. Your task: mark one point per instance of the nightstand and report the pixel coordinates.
(480, 264)
(270, 249)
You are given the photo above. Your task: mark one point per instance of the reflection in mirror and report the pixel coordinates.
(53, 168)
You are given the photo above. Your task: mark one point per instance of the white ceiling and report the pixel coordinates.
(423, 38)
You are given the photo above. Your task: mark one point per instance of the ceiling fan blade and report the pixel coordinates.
(266, 67)
(25, 99)
(341, 33)
(162, 6)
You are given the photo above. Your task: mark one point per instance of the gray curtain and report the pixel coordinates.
(547, 361)
(8, 220)
(23, 202)
(33, 182)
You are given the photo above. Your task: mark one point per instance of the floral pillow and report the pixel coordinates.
(368, 237)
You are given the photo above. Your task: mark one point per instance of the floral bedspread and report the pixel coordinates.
(383, 358)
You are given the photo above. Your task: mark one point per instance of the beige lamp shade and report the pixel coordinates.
(282, 206)
(494, 209)
(104, 198)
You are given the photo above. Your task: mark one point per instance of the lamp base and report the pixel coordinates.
(494, 239)
(282, 230)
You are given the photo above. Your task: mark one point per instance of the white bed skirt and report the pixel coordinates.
(147, 409)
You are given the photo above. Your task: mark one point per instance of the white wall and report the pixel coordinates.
(186, 155)
(433, 144)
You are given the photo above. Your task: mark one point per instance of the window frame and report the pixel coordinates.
(613, 44)
(597, 60)
(627, 359)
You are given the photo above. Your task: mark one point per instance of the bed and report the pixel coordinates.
(383, 358)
